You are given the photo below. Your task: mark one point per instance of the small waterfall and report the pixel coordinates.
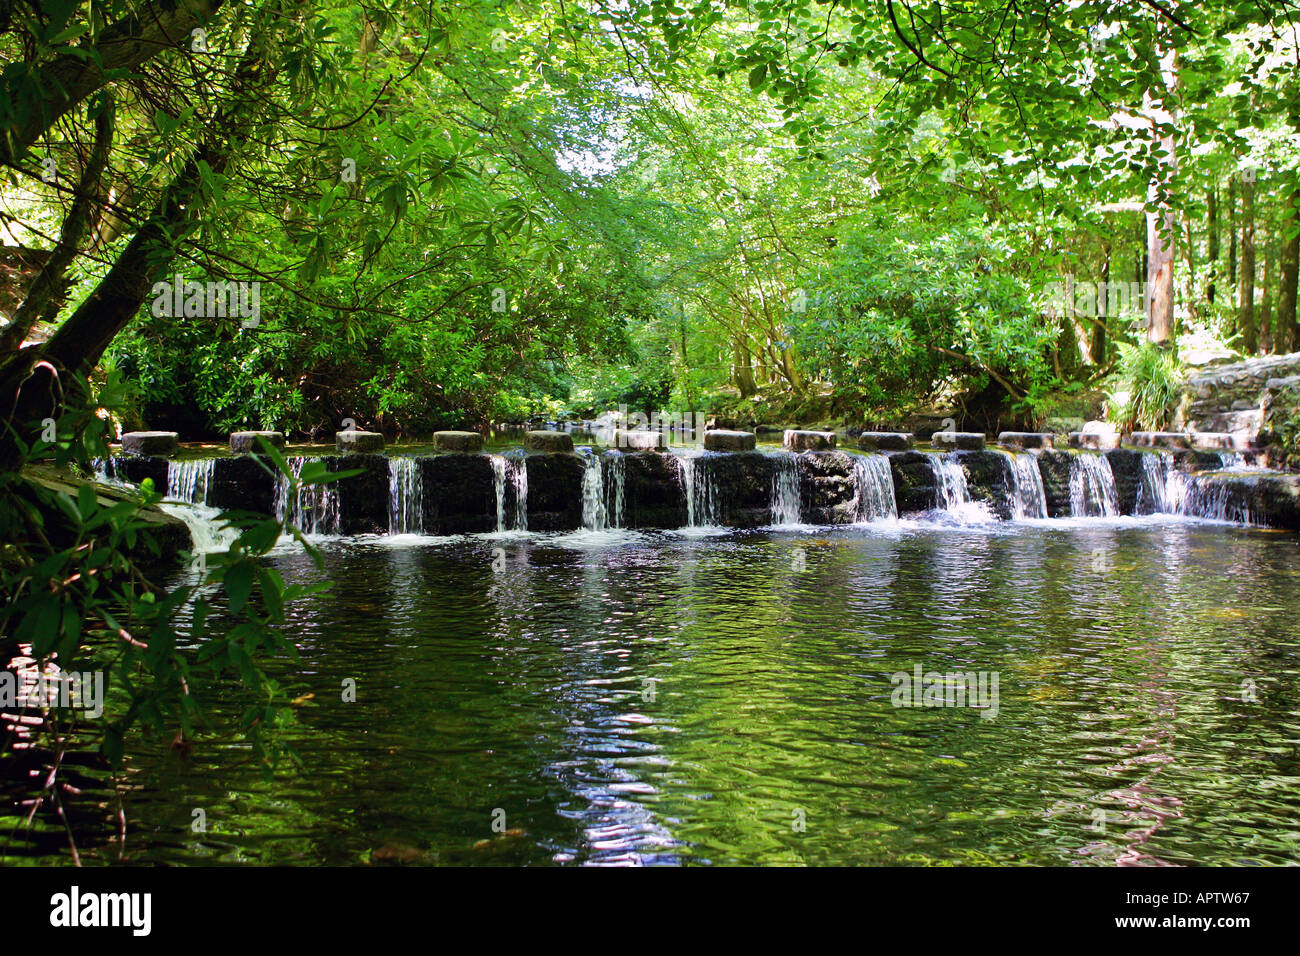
(313, 509)
(1232, 461)
(1206, 498)
(1092, 487)
(701, 498)
(615, 487)
(189, 480)
(207, 533)
(405, 496)
(511, 473)
(785, 490)
(873, 489)
(595, 516)
(949, 481)
(1162, 488)
(1030, 498)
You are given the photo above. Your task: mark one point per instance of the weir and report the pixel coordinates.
(467, 493)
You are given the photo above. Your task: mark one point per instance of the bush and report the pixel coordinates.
(1144, 389)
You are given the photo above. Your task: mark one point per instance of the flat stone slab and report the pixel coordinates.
(1026, 440)
(885, 441)
(1094, 441)
(1171, 440)
(245, 443)
(160, 444)
(548, 441)
(358, 443)
(958, 441)
(468, 442)
(721, 439)
(1221, 441)
(640, 439)
(799, 440)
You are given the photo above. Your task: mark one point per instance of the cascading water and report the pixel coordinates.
(405, 496)
(603, 486)
(950, 489)
(313, 508)
(785, 490)
(1162, 488)
(1166, 489)
(1092, 487)
(873, 489)
(1029, 495)
(594, 513)
(701, 499)
(190, 480)
(615, 487)
(511, 473)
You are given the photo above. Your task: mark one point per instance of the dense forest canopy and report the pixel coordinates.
(453, 214)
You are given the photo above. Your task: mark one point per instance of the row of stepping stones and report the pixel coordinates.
(165, 444)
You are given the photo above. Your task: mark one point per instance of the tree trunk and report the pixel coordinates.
(69, 78)
(1288, 332)
(1232, 233)
(37, 383)
(1212, 225)
(1266, 294)
(48, 292)
(1246, 292)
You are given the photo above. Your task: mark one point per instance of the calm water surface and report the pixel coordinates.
(618, 698)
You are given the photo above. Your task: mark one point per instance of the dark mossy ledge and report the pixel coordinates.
(459, 490)
(170, 533)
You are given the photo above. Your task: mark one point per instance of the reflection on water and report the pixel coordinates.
(617, 697)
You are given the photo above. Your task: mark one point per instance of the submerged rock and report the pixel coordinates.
(555, 490)
(1126, 466)
(827, 488)
(653, 493)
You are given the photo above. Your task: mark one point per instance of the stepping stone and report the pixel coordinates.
(721, 439)
(640, 439)
(1220, 441)
(246, 443)
(1171, 440)
(1094, 441)
(358, 443)
(467, 442)
(885, 441)
(957, 441)
(1026, 440)
(797, 440)
(160, 444)
(548, 441)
